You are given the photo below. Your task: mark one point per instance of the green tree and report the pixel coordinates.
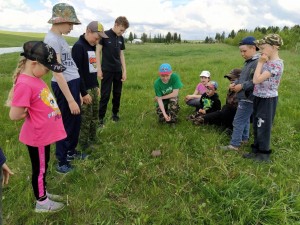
(144, 37)
(168, 37)
(130, 38)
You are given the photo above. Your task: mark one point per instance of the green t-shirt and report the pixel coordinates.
(162, 89)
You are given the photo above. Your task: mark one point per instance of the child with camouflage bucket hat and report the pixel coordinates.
(65, 85)
(63, 13)
(266, 81)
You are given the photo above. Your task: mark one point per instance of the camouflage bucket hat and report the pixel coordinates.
(271, 39)
(63, 13)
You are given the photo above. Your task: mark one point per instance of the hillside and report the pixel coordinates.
(16, 39)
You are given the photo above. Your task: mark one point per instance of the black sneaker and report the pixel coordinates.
(115, 118)
(101, 123)
(249, 155)
(262, 158)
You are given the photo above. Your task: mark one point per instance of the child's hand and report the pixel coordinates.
(263, 58)
(6, 173)
(188, 97)
(231, 86)
(100, 74)
(202, 111)
(167, 118)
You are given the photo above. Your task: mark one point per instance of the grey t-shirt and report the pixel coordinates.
(62, 48)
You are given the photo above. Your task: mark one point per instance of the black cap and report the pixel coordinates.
(43, 53)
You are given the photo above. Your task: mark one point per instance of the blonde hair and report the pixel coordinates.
(18, 70)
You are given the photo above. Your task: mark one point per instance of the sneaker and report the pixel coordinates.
(262, 158)
(244, 142)
(64, 168)
(55, 197)
(250, 155)
(198, 120)
(77, 156)
(229, 147)
(101, 123)
(48, 206)
(115, 118)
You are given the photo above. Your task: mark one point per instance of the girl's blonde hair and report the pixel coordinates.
(18, 70)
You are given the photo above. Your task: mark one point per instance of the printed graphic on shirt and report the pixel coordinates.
(207, 103)
(92, 61)
(67, 59)
(167, 91)
(47, 97)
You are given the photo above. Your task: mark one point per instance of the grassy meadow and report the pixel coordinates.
(192, 182)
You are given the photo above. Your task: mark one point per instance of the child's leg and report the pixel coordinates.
(39, 157)
(161, 117)
(264, 116)
(173, 109)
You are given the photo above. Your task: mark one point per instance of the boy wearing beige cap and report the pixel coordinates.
(84, 55)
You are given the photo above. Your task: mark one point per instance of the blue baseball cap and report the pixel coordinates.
(165, 69)
(249, 41)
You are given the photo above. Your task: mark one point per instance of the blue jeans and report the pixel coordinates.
(241, 123)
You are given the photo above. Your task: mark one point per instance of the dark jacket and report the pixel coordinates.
(246, 79)
(231, 99)
(2, 159)
(85, 58)
(210, 103)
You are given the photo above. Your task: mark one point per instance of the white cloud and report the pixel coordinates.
(193, 19)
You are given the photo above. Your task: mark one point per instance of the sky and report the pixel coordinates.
(192, 19)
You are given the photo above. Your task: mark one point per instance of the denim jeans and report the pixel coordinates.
(241, 123)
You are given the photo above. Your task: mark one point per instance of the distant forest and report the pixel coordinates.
(290, 36)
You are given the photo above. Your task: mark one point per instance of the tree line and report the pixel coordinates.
(159, 38)
(290, 36)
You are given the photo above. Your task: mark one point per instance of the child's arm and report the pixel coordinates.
(124, 73)
(193, 96)
(62, 83)
(6, 173)
(5, 169)
(17, 113)
(98, 61)
(258, 76)
(171, 95)
(162, 108)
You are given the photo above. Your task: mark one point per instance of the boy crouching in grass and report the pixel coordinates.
(166, 94)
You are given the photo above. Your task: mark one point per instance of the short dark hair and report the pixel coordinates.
(122, 20)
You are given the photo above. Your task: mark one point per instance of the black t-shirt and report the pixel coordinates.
(111, 49)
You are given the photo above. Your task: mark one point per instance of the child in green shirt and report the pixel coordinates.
(166, 94)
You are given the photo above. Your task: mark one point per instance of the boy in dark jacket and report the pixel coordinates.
(84, 55)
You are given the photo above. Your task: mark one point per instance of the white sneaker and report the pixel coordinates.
(55, 197)
(48, 206)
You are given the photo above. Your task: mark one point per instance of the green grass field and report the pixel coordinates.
(16, 39)
(192, 182)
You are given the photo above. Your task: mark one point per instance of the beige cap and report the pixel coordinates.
(204, 73)
(96, 26)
